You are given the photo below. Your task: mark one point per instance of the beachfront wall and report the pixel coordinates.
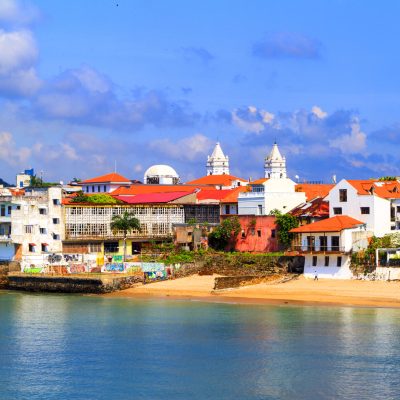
(258, 234)
(327, 266)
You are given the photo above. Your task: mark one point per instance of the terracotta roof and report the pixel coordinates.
(259, 181)
(205, 194)
(221, 180)
(313, 190)
(334, 224)
(317, 208)
(152, 198)
(108, 178)
(142, 189)
(384, 189)
(232, 197)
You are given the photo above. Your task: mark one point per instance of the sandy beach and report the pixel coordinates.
(297, 291)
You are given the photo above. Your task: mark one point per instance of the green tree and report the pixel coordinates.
(80, 198)
(221, 237)
(102, 198)
(125, 223)
(285, 222)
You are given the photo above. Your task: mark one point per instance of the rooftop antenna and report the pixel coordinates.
(115, 166)
(334, 178)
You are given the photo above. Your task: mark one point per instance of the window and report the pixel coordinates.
(98, 188)
(326, 261)
(3, 211)
(243, 234)
(260, 209)
(259, 233)
(56, 236)
(314, 261)
(18, 207)
(323, 243)
(56, 202)
(56, 221)
(44, 247)
(343, 195)
(9, 210)
(337, 210)
(104, 188)
(94, 247)
(364, 210)
(111, 247)
(32, 247)
(42, 211)
(43, 231)
(335, 243)
(339, 261)
(227, 209)
(398, 209)
(28, 228)
(273, 233)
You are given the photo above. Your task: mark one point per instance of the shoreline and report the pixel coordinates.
(299, 292)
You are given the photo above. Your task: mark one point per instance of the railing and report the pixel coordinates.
(251, 194)
(5, 238)
(318, 249)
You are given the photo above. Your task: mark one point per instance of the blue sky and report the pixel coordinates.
(83, 84)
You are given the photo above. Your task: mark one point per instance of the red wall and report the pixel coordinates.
(252, 242)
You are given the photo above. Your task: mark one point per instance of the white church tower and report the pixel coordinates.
(275, 164)
(217, 163)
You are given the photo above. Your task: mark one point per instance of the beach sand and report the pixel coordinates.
(297, 291)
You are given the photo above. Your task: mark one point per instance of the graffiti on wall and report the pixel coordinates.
(76, 268)
(114, 267)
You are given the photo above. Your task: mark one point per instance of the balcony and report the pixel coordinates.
(5, 239)
(251, 194)
(299, 249)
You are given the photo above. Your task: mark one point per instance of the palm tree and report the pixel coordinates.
(125, 223)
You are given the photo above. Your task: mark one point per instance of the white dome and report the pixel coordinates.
(161, 174)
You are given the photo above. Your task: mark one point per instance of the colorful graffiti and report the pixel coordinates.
(33, 270)
(76, 268)
(152, 267)
(117, 259)
(114, 267)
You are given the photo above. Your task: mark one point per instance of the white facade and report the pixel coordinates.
(161, 175)
(273, 194)
(275, 164)
(375, 211)
(332, 259)
(6, 245)
(101, 187)
(37, 222)
(217, 163)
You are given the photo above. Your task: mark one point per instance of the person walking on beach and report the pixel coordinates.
(315, 275)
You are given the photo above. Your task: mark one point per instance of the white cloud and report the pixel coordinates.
(318, 112)
(10, 153)
(355, 142)
(17, 12)
(190, 148)
(251, 119)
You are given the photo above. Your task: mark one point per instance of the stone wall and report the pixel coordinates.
(228, 282)
(63, 284)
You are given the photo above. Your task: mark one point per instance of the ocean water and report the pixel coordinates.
(79, 347)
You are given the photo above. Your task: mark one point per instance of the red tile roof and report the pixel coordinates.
(141, 189)
(334, 224)
(313, 190)
(384, 189)
(152, 198)
(317, 208)
(232, 197)
(259, 181)
(217, 180)
(206, 194)
(108, 178)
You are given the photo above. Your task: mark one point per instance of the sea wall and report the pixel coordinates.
(63, 284)
(237, 264)
(228, 282)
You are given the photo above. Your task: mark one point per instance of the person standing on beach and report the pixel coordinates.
(315, 275)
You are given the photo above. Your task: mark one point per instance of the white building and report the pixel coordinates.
(275, 164)
(37, 228)
(218, 162)
(6, 245)
(327, 245)
(161, 175)
(376, 203)
(275, 192)
(104, 183)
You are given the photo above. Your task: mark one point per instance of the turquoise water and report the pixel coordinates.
(76, 347)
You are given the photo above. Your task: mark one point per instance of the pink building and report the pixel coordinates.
(258, 235)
